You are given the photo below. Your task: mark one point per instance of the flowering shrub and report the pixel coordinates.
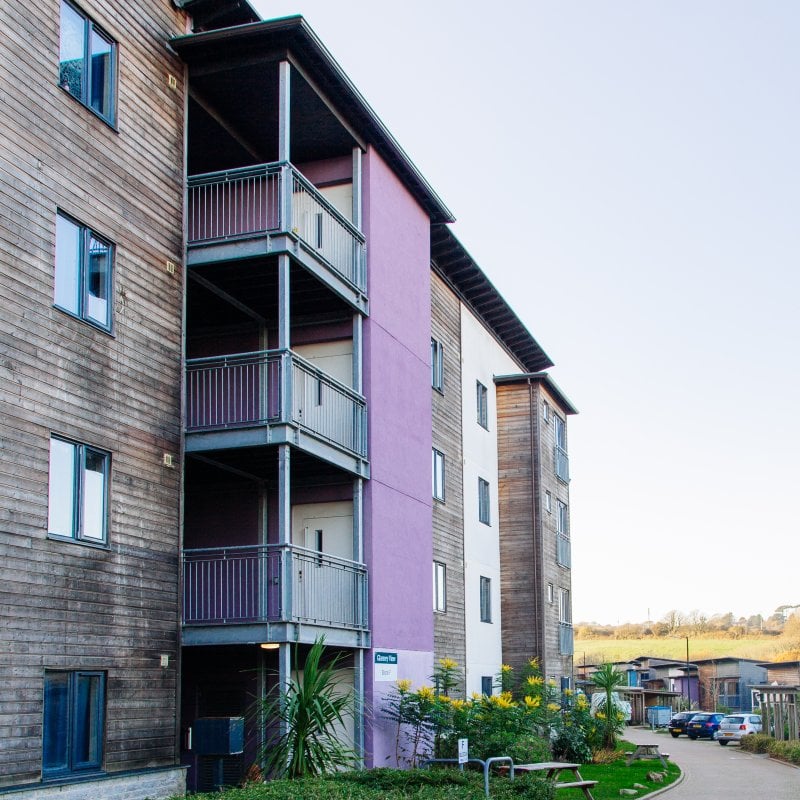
(514, 722)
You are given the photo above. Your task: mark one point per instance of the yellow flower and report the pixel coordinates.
(532, 702)
(443, 698)
(553, 707)
(447, 663)
(502, 700)
(551, 683)
(533, 663)
(600, 715)
(458, 705)
(581, 703)
(568, 692)
(476, 696)
(534, 681)
(425, 693)
(403, 685)
(506, 668)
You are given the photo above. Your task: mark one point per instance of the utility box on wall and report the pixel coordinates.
(218, 736)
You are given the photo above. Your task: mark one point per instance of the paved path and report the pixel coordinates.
(721, 773)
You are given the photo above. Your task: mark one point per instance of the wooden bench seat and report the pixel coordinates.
(576, 785)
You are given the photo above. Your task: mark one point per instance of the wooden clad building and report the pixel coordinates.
(91, 294)
(535, 546)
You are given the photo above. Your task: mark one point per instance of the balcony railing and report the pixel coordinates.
(249, 389)
(272, 583)
(274, 198)
(563, 550)
(565, 640)
(562, 464)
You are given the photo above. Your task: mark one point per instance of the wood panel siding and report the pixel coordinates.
(448, 516)
(520, 550)
(66, 605)
(531, 625)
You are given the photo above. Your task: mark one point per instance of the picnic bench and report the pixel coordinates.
(553, 770)
(647, 751)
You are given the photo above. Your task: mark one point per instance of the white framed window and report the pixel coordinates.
(484, 502)
(548, 502)
(486, 599)
(439, 587)
(482, 401)
(438, 474)
(487, 685)
(84, 262)
(437, 365)
(550, 594)
(78, 491)
(545, 411)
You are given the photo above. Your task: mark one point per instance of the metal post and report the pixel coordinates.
(284, 673)
(284, 110)
(688, 682)
(358, 720)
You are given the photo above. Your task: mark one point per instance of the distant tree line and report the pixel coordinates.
(697, 624)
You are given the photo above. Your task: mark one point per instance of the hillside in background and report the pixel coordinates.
(595, 651)
(776, 638)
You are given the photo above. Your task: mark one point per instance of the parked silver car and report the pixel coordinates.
(735, 727)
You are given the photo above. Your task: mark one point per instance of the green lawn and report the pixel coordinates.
(599, 650)
(615, 776)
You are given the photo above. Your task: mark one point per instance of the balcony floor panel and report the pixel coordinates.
(259, 246)
(272, 435)
(256, 633)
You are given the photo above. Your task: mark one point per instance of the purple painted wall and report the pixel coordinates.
(397, 499)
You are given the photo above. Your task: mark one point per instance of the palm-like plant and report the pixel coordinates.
(608, 678)
(309, 716)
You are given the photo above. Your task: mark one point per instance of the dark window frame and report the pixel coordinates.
(482, 404)
(74, 730)
(87, 79)
(486, 598)
(437, 365)
(438, 458)
(484, 502)
(439, 587)
(77, 531)
(81, 271)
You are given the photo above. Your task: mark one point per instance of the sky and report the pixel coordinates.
(627, 173)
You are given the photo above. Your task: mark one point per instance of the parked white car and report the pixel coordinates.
(735, 727)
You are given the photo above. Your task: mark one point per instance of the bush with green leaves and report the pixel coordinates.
(307, 717)
(516, 722)
(390, 784)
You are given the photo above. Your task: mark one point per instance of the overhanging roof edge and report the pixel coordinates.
(381, 137)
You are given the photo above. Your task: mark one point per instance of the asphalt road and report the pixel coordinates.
(712, 772)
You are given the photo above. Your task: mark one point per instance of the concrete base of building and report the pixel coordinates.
(150, 784)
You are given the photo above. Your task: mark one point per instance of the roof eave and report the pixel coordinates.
(307, 43)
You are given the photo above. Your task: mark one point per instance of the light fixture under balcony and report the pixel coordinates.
(269, 645)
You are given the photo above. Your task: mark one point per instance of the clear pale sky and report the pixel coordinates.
(627, 173)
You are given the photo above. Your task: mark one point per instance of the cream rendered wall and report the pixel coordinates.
(481, 359)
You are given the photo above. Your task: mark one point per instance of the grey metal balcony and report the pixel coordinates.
(565, 639)
(271, 397)
(274, 584)
(562, 464)
(232, 212)
(563, 550)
